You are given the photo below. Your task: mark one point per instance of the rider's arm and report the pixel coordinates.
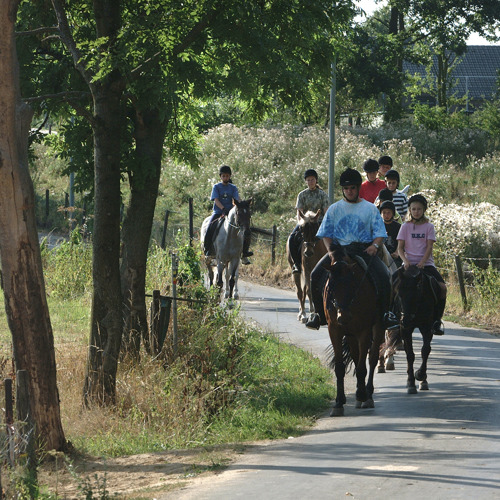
(401, 251)
(376, 244)
(328, 244)
(218, 203)
(427, 254)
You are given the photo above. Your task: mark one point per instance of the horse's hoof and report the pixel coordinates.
(236, 296)
(380, 369)
(390, 366)
(419, 375)
(359, 404)
(369, 403)
(424, 386)
(412, 390)
(337, 412)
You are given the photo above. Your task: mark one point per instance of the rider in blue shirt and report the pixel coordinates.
(222, 195)
(353, 225)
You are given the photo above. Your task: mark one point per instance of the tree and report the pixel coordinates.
(22, 275)
(147, 66)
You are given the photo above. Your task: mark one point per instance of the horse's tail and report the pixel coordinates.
(346, 356)
(393, 338)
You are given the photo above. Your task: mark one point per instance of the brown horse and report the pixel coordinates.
(355, 328)
(312, 250)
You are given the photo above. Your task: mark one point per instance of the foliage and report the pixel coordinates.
(67, 266)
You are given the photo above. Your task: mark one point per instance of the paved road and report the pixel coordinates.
(440, 444)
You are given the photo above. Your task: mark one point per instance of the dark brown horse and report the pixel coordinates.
(312, 250)
(355, 328)
(417, 294)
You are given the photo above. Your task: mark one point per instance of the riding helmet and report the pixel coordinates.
(225, 170)
(388, 204)
(418, 198)
(310, 172)
(350, 177)
(392, 174)
(370, 165)
(385, 160)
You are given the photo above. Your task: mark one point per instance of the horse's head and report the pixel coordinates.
(409, 288)
(308, 226)
(341, 290)
(243, 215)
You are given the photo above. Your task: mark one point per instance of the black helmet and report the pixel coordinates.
(385, 160)
(310, 172)
(370, 165)
(225, 170)
(392, 174)
(418, 198)
(385, 195)
(388, 204)
(350, 177)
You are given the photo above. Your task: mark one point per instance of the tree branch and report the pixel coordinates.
(69, 42)
(37, 31)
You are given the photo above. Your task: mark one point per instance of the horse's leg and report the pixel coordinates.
(378, 336)
(410, 359)
(236, 294)
(336, 338)
(232, 278)
(421, 373)
(229, 291)
(300, 296)
(220, 270)
(361, 372)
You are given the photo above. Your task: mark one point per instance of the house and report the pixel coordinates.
(475, 74)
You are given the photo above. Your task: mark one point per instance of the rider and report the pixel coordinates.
(347, 222)
(415, 241)
(372, 186)
(222, 195)
(311, 199)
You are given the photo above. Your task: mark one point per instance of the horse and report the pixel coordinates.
(311, 252)
(417, 294)
(228, 245)
(355, 327)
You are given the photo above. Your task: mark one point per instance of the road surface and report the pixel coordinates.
(439, 444)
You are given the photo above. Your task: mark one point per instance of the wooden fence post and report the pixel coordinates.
(9, 421)
(460, 275)
(273, 246)
(155, 321)
(25, 419)
(46, 206)
(191, 217)
(164, 235)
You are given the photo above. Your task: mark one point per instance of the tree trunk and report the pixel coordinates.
(149, 136)
(106, 319)
(22, 274)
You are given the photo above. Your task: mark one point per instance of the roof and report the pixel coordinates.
(476, 71)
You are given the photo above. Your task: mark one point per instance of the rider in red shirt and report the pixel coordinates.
(371, 188)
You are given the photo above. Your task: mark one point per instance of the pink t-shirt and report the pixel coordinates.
(415, 237)
(370, 190)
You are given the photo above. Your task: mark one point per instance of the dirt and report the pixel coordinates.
(145, 476)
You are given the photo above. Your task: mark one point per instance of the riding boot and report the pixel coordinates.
(437, 326)
(208, 240)
(319, 277)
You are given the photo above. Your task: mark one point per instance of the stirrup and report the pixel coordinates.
(245, 261)
(295, 269)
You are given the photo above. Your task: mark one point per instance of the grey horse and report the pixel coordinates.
(228, 245)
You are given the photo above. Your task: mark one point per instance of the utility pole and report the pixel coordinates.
(331, 163)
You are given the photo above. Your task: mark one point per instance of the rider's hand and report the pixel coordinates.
(371, 250)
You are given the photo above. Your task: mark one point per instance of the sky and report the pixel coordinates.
(369, 6)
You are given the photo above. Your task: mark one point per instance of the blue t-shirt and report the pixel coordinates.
(347, 223)
(225, 193)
